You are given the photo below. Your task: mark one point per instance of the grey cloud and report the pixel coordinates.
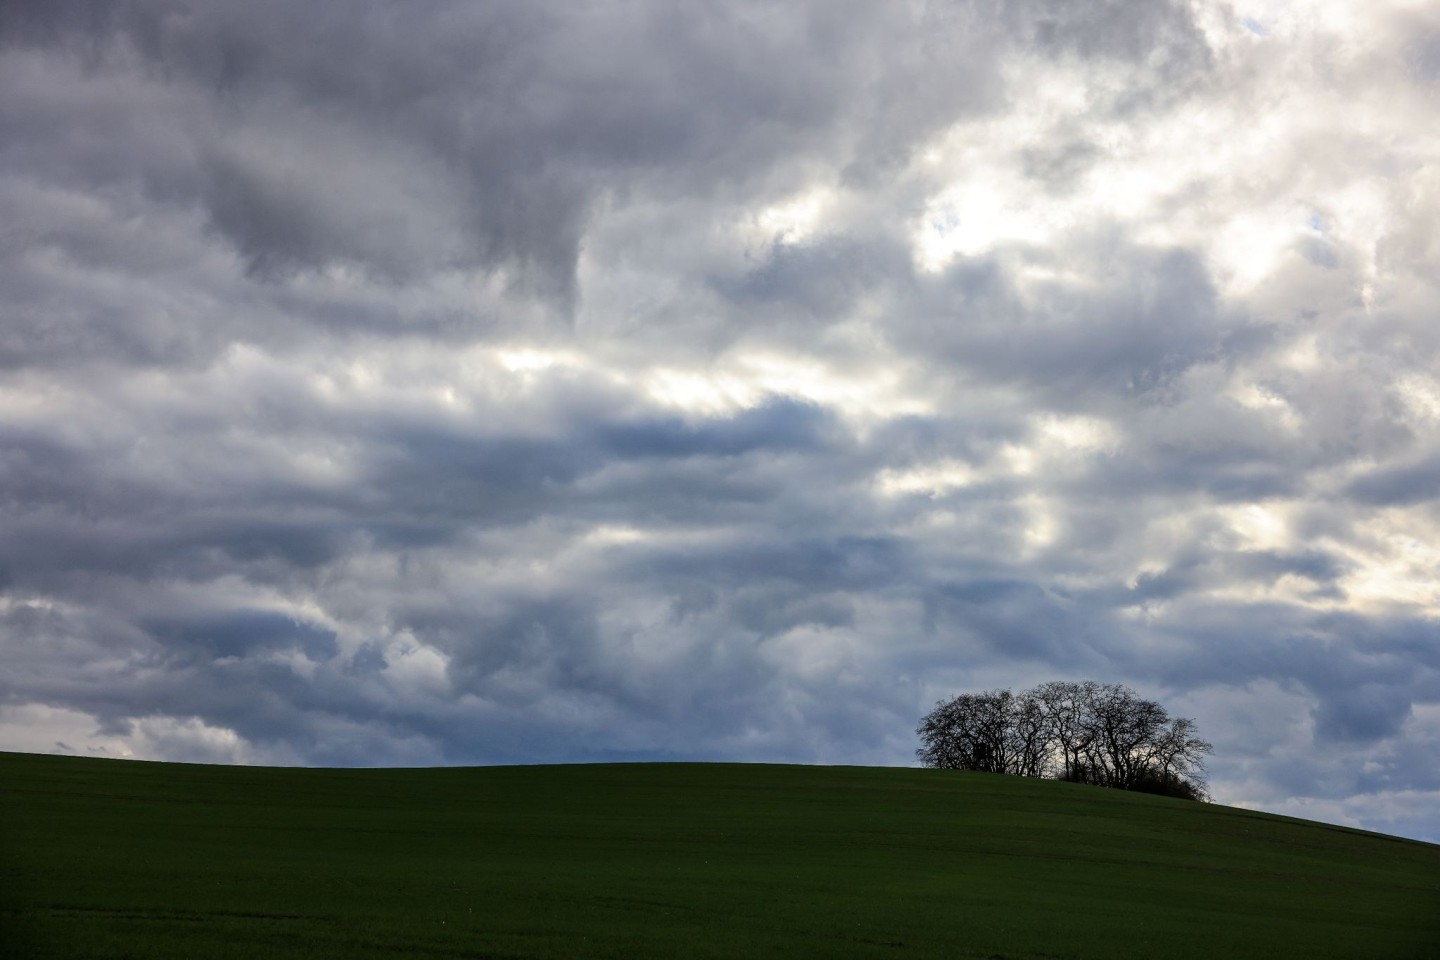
(1346, 771)
(1060, 166)
(289, 207)
(242, 632)
(781, 424)
(1112, 28)
(767, 587)
(515, 111)
(1421, 56)
(1400, 484)
(1364, 713)
(1018, 620)
(820, 277)
(482, 136)
(1136, 334)
(528, 649)
(1200, 572)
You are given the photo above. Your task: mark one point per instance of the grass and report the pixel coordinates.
(123, 859)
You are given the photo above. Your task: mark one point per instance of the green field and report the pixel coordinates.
(105, 858)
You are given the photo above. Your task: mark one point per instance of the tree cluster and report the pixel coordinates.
(1102, 734)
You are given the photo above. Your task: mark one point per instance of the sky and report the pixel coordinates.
(434, 383)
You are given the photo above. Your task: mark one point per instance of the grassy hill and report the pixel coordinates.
(104, 858)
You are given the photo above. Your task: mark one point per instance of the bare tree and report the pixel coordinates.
(1106, 735)
(1032, 740)
(1125, 729)
(973, 731)
(1064, 706)
(1180, 755)
(950, 736)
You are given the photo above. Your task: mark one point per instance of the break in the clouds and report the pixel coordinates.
(447, 382)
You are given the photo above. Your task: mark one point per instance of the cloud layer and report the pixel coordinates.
(445, 383)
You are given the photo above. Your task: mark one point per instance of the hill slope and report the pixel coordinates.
(103, 858)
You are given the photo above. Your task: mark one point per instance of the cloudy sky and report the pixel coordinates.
(440, 383)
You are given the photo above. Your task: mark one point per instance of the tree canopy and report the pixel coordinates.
(1084, 731)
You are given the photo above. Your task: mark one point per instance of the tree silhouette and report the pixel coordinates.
(1102, 734)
